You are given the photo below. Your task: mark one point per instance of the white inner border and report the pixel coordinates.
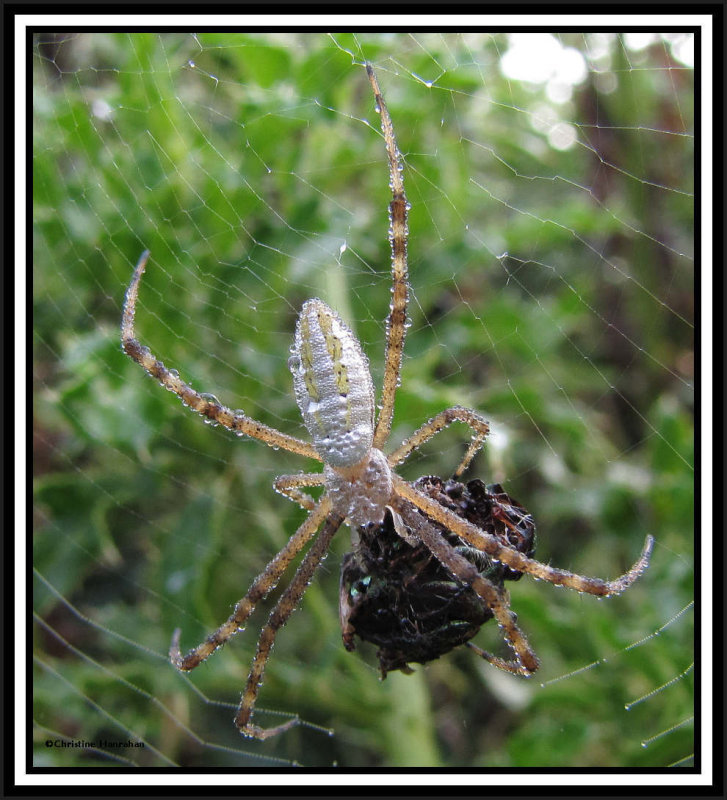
(656, 22)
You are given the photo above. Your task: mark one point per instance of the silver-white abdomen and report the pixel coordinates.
(333, 386)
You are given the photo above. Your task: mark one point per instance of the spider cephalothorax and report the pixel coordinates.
(335, 393)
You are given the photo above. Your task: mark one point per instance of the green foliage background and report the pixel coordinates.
(244, 172)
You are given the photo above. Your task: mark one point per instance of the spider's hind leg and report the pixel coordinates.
(398, 234)
(206, 405)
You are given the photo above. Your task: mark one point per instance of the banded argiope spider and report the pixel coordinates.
(335, 393)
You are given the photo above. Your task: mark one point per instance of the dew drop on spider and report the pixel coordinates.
(294, 362)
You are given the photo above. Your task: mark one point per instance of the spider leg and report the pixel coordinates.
(398, 231)
(285, 606)
(438, 423)
(204, 404)
(516, 560)
(513, 667)
(289, 485)
(264, 583)
(527, 662)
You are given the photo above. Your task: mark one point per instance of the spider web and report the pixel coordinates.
(552, 269)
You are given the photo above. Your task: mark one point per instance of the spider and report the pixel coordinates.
(335, 393)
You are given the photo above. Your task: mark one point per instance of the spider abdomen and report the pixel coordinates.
(333, 385)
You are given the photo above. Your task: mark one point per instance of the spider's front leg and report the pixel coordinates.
(466, 572)
(513, 667)
(513, 558)
(278, 617)
(438, 423)
(264, 583)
